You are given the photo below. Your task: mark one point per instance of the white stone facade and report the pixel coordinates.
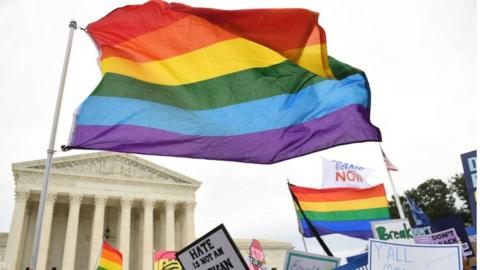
(145, 207)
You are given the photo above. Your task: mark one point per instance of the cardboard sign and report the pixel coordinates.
(394, 230)
(213, 251)
(256, 256)
(439, 238)
(165, 260)
(469, 162)
(343, 174)
(456, 222)
(385, 255)
(297, 260)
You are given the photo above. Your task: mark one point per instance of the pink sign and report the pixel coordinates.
(256, 256)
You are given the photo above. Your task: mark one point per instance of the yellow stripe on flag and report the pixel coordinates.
(109, 265)
(375, 202)
(216, 60)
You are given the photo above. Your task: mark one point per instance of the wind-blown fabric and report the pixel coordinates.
(242, 85)
(347, 211)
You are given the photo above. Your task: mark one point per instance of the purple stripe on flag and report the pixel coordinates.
(347, 125)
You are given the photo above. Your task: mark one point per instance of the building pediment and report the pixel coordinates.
(108, 164)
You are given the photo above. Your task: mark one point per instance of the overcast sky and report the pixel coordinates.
(419, 56)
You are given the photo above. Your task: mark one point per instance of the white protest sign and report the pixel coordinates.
(343, 174)
(213, 251)
(394, 230)
(297, 260)
(383, 255)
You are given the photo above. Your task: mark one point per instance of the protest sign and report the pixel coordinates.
(343, 174)
(439, 238)
(165, 260)
(469, 162)
(213, 251)
(383, 255)
(456, 222)
(256, 256)
(394, 230)
(297, 260)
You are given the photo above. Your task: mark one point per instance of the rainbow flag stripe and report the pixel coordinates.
(111, 259)
(346, 211)
(203, 83)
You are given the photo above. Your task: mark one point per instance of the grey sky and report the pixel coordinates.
(419, 56)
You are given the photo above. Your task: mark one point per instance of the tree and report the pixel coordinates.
(433, 196)
(458, 186)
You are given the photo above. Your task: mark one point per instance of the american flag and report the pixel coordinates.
(388, 164)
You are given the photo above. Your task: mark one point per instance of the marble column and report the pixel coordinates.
(72, 232)
(147, 234)
(189, 223)
(16, 230)
(170, 225)
(124, 241)
(45, 232)
(97, 230)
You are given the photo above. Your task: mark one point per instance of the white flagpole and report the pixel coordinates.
(304, 244)
(50, 150)
(395, 194)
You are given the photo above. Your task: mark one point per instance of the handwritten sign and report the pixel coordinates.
(213, 251)
(297, 260)
(394, 230)
(439, 238)
(385, 255)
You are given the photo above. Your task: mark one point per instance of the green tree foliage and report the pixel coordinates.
(436, 198)
(459, 188)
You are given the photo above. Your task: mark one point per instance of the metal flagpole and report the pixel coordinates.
(50, 150)
(395, 194)
(304, 244)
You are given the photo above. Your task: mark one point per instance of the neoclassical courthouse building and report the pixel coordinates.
(138, 206)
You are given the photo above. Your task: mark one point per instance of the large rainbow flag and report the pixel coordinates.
(111, 259)
(242, 85)
(347, 211)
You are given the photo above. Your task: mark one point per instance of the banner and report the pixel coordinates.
(297, 260)
(456, 222)
(439, 238)
(469, 162)
(256, 256)
(213, 251)
(357, 262)
(383, 255)
(395, 230)
(343, 174)
(165, 260)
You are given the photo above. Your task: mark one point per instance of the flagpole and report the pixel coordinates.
(395, 194)
(50, 150)
(304, 244)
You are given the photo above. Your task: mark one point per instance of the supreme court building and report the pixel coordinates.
(137, 205)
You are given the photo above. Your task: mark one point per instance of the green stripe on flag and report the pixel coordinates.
(374, 213)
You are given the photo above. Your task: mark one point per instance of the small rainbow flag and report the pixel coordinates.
(111, 258)
(251, 85)
(347, 211)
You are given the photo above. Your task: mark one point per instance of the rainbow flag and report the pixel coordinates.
(347, 211)
(111, 259)
(241, 85)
